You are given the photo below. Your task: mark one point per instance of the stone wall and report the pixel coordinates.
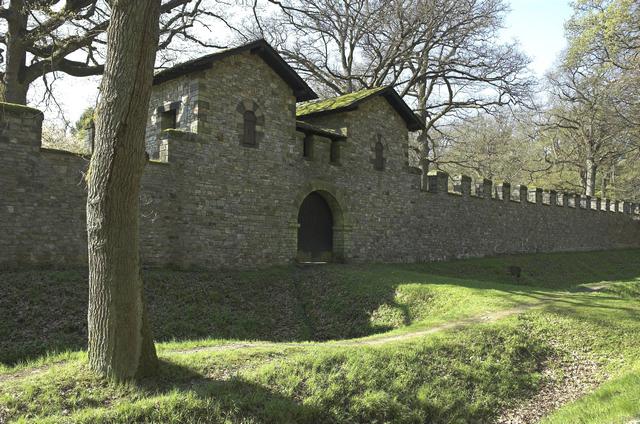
(210, 202)
(180, 94)
(395, 217)
(43, 195)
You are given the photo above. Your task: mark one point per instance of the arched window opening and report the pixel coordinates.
(249, 136)
(378, 161)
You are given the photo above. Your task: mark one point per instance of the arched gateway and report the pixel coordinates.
(315, 230)
(322, 225)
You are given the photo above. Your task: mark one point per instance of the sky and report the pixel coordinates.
(537, 25)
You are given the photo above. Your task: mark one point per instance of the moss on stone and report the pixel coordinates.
(174, 131)
(334, 103)
(13, 107)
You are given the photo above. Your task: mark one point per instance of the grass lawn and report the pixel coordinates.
(261, 346)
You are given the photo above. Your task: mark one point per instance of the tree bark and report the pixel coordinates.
(423, 136)
(590, 177)
(15, 88)
(120, 342)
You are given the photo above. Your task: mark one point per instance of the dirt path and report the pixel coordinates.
(375, 341)
(478, 319)
(28, 371)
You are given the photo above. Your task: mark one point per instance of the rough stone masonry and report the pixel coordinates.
(238, 149)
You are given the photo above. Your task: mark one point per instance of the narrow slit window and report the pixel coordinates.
(334, 153)
(378, 161)
(307, 147)
(249, 136)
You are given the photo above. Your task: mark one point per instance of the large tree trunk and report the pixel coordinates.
(423, 137)
(590, 177)
(15, 88)
(120, 342)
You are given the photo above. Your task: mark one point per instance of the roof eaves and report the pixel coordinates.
(413, 122)
(301, 89)
(308, 128)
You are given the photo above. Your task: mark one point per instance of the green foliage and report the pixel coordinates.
(595, 92)
(499, 147)
(606, 30)
(86, 120)
(587, 138)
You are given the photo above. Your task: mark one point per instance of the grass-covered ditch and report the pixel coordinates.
(587, 308)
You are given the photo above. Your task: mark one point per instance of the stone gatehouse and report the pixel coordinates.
(248, 169)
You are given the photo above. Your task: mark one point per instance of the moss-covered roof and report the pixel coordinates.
(335, 103)
(350, 101)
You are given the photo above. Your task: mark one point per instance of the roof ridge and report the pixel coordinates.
(260, 47)
(371, 90)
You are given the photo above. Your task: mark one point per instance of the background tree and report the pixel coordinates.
(595, 94)
(606, 32)
(502, 146)
(120, 341)
(441, 55)
(82, 125)
(588, 132)
(586, 137)
(55, 137)
(48, 36)
(605, 35)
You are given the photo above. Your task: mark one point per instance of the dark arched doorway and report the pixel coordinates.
(315, 229)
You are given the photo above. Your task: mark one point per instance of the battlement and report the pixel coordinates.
(20, 125)
(210, 201)
(439, 182)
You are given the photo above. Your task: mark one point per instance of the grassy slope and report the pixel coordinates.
(611, 330)
(321, 304)
(616, 401)
(459, 376)
(451, 377)
(330, 303)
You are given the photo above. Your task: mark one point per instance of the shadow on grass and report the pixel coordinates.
(43, 311)
(177, 394)
(234, 398)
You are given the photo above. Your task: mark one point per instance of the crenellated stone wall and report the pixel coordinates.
(43, 195)
(210, 202)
